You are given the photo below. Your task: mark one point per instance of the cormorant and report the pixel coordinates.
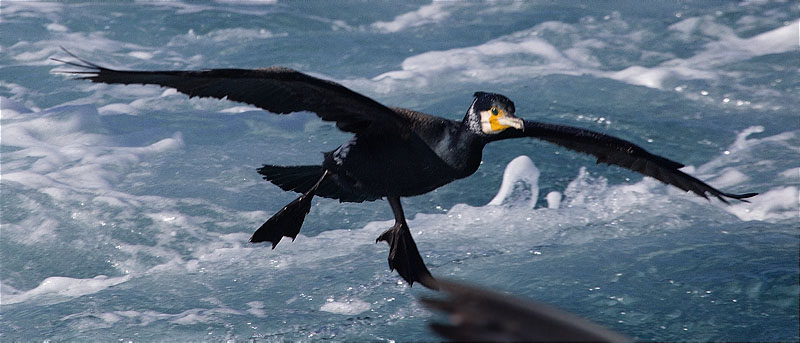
(395, 152)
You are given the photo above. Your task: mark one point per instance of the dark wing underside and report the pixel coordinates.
(275, 89)
(612, 150)
(479, 315)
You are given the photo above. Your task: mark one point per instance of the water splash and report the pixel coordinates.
(520, 186)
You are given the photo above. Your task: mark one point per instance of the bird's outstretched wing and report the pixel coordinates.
(479, 315)
(612, 150)
(276, 89)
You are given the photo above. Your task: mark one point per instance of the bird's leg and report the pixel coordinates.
(403, 253)
(287, 222)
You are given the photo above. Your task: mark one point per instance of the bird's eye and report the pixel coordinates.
(494, 111)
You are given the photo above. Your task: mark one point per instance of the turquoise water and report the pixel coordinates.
(126, 209)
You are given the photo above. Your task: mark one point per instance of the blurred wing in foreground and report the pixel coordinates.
(481, 315)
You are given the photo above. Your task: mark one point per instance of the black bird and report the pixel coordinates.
(395, 152)
(481, 315)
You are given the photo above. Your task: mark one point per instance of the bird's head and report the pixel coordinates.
(491, 114)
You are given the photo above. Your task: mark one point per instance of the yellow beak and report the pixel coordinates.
(496, 123)
(500, 123)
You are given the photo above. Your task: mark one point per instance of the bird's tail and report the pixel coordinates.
(301, 178)
(292, 178)
(288, 221)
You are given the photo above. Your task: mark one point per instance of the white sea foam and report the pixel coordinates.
(240, 109)
(792, 175)
(10, 109)
(520, 170)
(553, 199)
(118, 108)
(347, 307)
(60, 153)
(182, 7)
(39, 52)
(256, 309)
(57, 27)
(32, 9)
(222, 35)
(484, 63)
(100, 320)
(539, 57)
(774, 205)
(56, 289)
(249, 2)
(144, 55)
(68, 150)
(704, 65)
(425, 15)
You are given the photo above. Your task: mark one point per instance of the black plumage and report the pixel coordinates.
(481, 315)
(394, 152)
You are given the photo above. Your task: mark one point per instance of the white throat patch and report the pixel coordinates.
(486, 125)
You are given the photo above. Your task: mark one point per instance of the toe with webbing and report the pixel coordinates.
(288, 221)
(405, 258)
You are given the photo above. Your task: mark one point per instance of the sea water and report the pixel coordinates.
(126, 210)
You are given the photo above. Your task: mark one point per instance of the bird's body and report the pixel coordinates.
(395, 152)
(429, 158)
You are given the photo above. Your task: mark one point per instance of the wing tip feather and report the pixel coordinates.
(90, 70)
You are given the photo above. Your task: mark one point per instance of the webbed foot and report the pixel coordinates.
(288, 221)
(405, 258)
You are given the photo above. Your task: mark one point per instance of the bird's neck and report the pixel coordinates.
(462, 149)
(471, 122)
